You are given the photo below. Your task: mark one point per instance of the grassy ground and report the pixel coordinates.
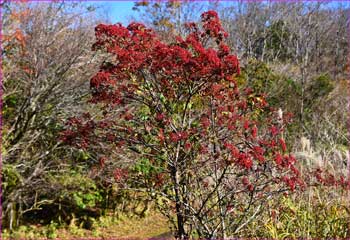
(315, 214)
(152, 226)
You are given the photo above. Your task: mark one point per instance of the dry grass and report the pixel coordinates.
(152, 226)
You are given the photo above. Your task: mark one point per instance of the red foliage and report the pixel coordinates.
(278, 159)
(283, 145)
(205, 122)
(102, 161)
(327, 179)
(160, 117)
(191, 100)
(120, 174)
(212, 25)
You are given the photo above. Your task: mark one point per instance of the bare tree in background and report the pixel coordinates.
(46, 61)
(168, 17)
(301, 40)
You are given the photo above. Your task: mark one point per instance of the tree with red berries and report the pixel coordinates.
(209, 152)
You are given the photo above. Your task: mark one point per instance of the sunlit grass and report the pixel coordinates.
(153, 225)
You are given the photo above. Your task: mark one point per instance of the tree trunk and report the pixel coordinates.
(181, 234)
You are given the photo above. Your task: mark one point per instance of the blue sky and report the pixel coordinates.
(118, 11)
(121, 10)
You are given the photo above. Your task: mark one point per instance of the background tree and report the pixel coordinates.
(167, 18)
(301, 43)
(46, 58)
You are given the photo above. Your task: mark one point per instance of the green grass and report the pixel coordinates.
(316, 213)
(153, 225)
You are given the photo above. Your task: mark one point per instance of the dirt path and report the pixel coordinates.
(153, 226)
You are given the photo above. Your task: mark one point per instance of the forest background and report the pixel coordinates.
(297, 53)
